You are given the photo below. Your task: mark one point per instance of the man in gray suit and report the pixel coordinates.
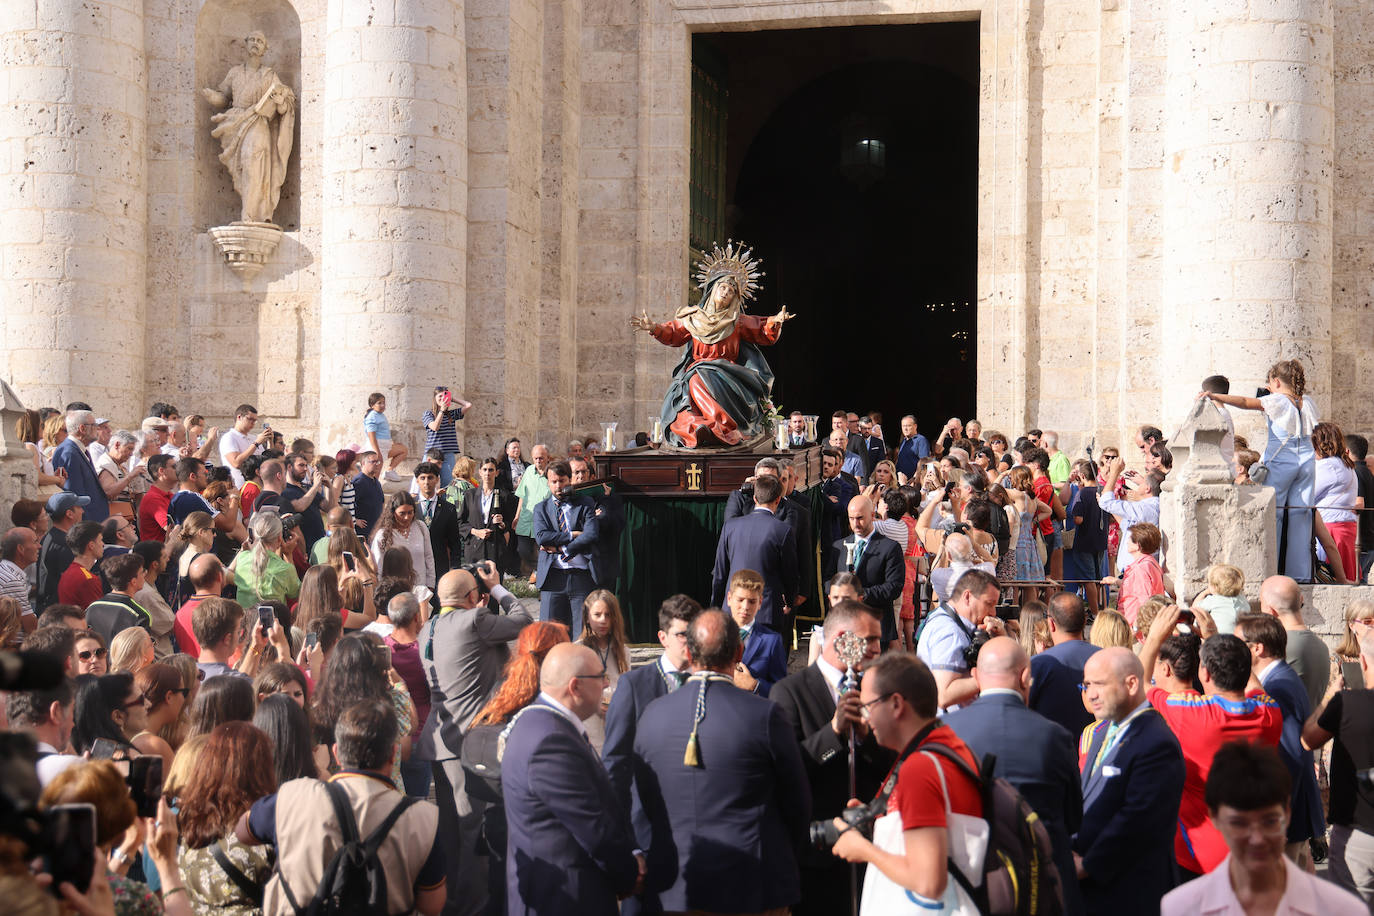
(464, 654)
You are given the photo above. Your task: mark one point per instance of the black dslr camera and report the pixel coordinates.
(475, 570)
(824, 834)
(980, 639)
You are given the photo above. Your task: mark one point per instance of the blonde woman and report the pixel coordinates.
(260, 571)
(131, 650)
(11, 630)
(190, 539)
(1110, 629)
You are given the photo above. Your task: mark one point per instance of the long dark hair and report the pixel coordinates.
(226, 698)
(388, 520)
(97, 696)
(356, 672)
(288, 729)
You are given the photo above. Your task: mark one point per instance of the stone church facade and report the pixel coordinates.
(483, 191)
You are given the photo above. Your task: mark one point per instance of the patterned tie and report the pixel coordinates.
(859, 552)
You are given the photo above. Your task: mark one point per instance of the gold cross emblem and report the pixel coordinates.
(693, 476)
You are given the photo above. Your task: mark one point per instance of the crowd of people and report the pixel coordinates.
(323, 667)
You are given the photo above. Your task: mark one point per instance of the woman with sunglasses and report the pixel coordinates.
(91, 655)
(100, 711)
(164, 696)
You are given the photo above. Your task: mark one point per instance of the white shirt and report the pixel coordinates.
(49, 766)
(1335, 490)
(832, 677)
(97, 451)
(14, 583)
(236, 442)
(1283, 421)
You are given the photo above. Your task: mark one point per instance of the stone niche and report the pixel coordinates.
(220, 31)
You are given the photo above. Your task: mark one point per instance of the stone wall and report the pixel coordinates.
(482, 193)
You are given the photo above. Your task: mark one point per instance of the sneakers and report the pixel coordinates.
(392, 476)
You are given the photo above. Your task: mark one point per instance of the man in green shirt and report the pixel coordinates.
(1059, 461)
(530, 492)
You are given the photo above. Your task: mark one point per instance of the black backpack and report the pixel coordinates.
(1019, 875)
(1001, 529)
(354, 881)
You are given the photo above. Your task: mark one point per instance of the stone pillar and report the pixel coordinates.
(73, 243)
(1207, 518)
(394, 213)
(1249, 134)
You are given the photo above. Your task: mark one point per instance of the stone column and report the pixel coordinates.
(1249, 133)
(74, 198)
(394, 213)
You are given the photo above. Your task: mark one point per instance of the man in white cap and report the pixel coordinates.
(102, 439)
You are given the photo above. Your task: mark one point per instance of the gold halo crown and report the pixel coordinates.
(735, 261)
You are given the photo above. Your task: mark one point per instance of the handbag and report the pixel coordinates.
(968, 846)
(1259, 471)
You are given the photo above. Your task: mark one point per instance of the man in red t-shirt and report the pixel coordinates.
(78, 585)
(1231, 707)
(152, 508)
(899, 702)
(207, 578)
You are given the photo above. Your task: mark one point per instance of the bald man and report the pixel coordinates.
(207, 577)
(1132, 774)
(1306, 654)
(877, 561)
(463, 662)
(569, 848)
(1032, 753)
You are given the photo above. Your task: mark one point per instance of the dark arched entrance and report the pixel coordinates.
(851, 167)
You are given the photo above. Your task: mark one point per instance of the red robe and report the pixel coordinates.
(707, 418)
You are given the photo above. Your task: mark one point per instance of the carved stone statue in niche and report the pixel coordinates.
(255, 131)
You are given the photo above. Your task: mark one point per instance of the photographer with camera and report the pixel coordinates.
(954, 633)
(905, 833)
(463, 661)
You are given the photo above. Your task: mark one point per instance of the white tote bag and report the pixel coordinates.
(968, 846)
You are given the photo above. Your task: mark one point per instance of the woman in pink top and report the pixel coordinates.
(1142, 577)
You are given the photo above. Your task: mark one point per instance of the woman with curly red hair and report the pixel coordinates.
(521, 684)
(234, 769)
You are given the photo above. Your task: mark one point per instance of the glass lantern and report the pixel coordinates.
(656, 430)
(608, 437)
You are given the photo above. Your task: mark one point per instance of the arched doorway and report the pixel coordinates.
(851, 167)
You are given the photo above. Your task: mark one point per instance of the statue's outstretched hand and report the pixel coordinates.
(782, 315)
(641, 322)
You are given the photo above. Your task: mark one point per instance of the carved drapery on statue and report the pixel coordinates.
(720, 389)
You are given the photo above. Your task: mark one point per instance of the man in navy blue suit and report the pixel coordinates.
(836, 492)
(874, 448)
(72, 456)
(764, 661)
(877, 561)
(721, 778)
(635, 690)
(1268, 642)
(1133, 772)
(762, 542)
(1057, 672)
(569, 848)
(1035, 755)
(567, 533)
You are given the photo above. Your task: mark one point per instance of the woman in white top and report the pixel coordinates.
(1336, 494)
(111, 468)
(1291, 417)
(398, 527)
(604, 634)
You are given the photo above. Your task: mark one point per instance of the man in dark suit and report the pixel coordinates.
(795, 512)
(72, 456)
(822, 718)
(1035, 755)
(1057, 672)
(569, 848)
(1133, 772)
(762, 542)
(566, 531)
(610, 515)
(764, 660)
(796, 431)
(741, 501)
(874, 448)
(729, 814)
(635, 690)
(439, 517)
(836, 492)
(877, 561)
(1268, 642)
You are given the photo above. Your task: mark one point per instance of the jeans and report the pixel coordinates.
(416, 775)
(562, 596)
(1351, 862)
(446, 469)
(1292, 474)
(1366, 561)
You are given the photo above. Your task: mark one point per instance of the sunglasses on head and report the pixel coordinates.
(91, 653)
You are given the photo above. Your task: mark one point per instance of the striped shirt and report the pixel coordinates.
(14, 583)
(446, 439)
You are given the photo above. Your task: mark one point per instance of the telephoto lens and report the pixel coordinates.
(824, 834)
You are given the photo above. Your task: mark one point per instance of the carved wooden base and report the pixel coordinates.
(699, 472)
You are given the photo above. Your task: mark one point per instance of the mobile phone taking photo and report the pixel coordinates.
(68, 845)
(266, 617)
(145, 783)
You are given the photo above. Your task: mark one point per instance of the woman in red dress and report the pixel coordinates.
(720, 387)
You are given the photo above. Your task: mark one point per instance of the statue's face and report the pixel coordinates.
(256, 44)
(724, 292)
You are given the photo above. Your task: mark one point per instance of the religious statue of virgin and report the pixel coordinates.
(720, 388)
(254, 130)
